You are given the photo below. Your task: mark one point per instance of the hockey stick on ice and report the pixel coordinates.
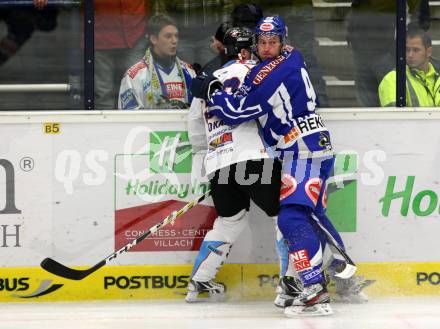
(350, 266)
(61, 270)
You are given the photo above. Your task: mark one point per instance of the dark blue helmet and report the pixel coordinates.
(271, 25)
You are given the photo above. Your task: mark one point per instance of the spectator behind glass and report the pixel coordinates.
(197, 20)
(160, 79)
(299, 18)
(218, 48)
(243, 15)
(246, 15)
(370, 33)
(21, 22)
(119, 42)
(422, 78)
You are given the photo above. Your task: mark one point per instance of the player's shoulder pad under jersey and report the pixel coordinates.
(263, 70)
(247, 62)
(290, 62)
(234, 68)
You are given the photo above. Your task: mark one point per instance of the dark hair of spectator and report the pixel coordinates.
(416, 32)
(157, 22)
(246, 15)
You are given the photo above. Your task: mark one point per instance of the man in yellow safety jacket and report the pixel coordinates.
(422, 78)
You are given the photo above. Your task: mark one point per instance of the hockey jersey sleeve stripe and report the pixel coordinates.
(232, 111)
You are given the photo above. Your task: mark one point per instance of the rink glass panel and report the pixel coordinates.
(41, 47)
(79, 197)
(348, 50)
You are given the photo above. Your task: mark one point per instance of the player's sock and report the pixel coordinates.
(214, 251)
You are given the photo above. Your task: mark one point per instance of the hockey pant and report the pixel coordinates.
(231, 196)
(303, 192)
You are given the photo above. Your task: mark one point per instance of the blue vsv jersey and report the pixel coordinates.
(278, 93)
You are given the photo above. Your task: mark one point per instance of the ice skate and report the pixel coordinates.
(205, 291)
(288, 289)
(351, 290)
(313, 301)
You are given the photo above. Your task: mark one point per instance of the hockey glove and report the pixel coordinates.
(203, 86)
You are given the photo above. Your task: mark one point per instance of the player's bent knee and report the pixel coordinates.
(292, 217)
(228, 229)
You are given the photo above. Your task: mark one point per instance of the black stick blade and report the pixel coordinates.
(63, 271)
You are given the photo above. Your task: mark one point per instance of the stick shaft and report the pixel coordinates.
(61, 270)
(333, 241)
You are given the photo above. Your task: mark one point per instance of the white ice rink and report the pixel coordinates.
(396, 313)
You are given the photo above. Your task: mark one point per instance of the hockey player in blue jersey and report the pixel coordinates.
(279, 94)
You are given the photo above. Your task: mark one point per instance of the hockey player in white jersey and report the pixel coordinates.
(238, 166)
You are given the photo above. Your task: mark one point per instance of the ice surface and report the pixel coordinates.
(395, 313)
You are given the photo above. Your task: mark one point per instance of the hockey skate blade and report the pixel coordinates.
(347, 272)
(282, 300)
(312, 310)
(196, 297)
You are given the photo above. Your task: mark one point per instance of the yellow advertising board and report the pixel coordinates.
(243, 282)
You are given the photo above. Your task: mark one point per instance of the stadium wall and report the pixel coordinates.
(76, 186)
